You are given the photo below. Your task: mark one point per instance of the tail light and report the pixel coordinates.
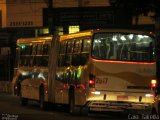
(153, 84)
(46, 91)
(91, 81)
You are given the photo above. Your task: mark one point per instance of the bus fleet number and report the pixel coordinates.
(101, 80)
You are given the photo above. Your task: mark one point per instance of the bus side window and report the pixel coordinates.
(45, 53)
(38, 56)
(61, 61)
(37, 53)
(69, 53)
(45, 49)
(86, 45)
(24, 55)
(34, 49)
(77, 46)
(85, 51)
(39, 49)
(76, 53)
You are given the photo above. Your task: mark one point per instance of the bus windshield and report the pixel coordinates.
(122, 46)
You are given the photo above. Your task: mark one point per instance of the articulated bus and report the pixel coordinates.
(103, 70)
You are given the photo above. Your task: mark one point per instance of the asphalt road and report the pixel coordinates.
(10, 109)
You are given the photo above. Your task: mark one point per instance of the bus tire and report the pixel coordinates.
(24, 101)
(71, 100)
(41, 98)
(158, 108)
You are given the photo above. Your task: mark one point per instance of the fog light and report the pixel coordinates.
(96, 92)
(149, 95)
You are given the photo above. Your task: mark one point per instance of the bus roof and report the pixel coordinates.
(90, 32)
(126, 30)
(34, 40)
(76, 35)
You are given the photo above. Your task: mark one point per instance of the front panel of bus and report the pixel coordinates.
(122, 71)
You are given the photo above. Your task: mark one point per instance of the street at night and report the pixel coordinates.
(10, 109)
(79, 59)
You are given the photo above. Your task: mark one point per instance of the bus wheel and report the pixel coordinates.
(71, 101)
(41, 98)
(159, 108)
(24, 101)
